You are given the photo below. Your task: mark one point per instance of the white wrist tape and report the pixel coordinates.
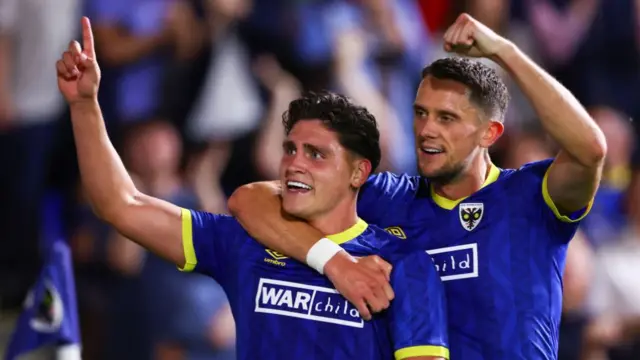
(321, 252)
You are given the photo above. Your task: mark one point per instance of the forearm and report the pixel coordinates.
(258, 208)
(106, 181)
(560, 113)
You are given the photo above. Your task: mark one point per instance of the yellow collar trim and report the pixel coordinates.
(349, 234)
(448, 204)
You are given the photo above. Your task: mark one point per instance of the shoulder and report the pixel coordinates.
(204, 221)
(525, 182)
(529, 184)
(390, 247)
(373, 241)
(392, 185)
(529, 173)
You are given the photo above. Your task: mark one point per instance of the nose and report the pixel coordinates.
(426, 127)
(295, 164)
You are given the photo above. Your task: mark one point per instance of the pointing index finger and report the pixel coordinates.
(87, 37)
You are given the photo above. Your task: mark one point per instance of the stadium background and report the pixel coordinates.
(192, 93)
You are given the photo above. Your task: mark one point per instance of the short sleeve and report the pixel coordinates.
(530, 181)
(383, 193)
(8, 15)
(418, 313)
(211, 243)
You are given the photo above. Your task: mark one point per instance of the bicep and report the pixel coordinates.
(569, 186)
(154, 224)
(418, 312)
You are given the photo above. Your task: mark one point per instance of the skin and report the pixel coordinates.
(156, 224)
(446, 118)
(314, 156)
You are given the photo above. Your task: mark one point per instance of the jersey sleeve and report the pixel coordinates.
(383, 193)
(418, 315)
(211, 243)
(532, 181)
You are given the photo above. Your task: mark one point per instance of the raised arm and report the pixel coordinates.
(574, 176)
(152, 223)
(258, 208)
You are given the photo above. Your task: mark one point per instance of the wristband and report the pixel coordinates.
(321, 252)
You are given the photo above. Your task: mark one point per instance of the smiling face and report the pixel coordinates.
(317, 173)
(450, 130)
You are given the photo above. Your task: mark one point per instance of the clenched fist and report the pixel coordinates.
(467, 36)
(78, 71)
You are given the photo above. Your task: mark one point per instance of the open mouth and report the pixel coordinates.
(432, 151)
(298, 186)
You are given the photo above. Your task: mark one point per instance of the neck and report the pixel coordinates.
(468, 182)
(337, 220)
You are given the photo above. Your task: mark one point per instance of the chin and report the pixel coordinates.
(438, 175)
(294, 209)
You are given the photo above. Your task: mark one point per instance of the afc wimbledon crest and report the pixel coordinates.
(470, 215)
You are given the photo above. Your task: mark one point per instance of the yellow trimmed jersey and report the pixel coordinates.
(285, 310)
(500, 254)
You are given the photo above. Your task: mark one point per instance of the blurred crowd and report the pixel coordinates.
(193, 92)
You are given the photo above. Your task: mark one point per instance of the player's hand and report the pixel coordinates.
(469, 37)
(78, 71)
(364, 282)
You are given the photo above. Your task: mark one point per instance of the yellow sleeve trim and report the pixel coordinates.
(187, 242)
(425, 350)
(554, 208)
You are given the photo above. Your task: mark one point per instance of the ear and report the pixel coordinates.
(361, 172)
(492, 133)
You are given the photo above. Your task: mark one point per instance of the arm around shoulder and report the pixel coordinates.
(258, 207)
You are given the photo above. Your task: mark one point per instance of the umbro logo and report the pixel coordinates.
(275, 258)
(396, 231)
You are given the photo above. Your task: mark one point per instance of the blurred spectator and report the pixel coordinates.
(591, 46)
(615, 292)
(576, 281)
(222, 72)
(607, 219)
(526, 146)
(185, 316)
(229, 105)
(283, 89)
(379, 48)
(32, 37)
(135, 40)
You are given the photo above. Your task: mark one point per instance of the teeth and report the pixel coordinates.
(431, 151)
(299, 185)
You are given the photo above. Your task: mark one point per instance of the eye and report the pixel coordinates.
(420, 113)
(447, 118)
(316, 155)
(290, 151)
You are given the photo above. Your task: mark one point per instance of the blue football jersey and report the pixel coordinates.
(499, 252)
(285, 310)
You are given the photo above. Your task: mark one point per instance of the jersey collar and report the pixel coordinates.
(448, 204)
(349, 234)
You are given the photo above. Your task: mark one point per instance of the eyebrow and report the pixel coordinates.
(288, 144)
